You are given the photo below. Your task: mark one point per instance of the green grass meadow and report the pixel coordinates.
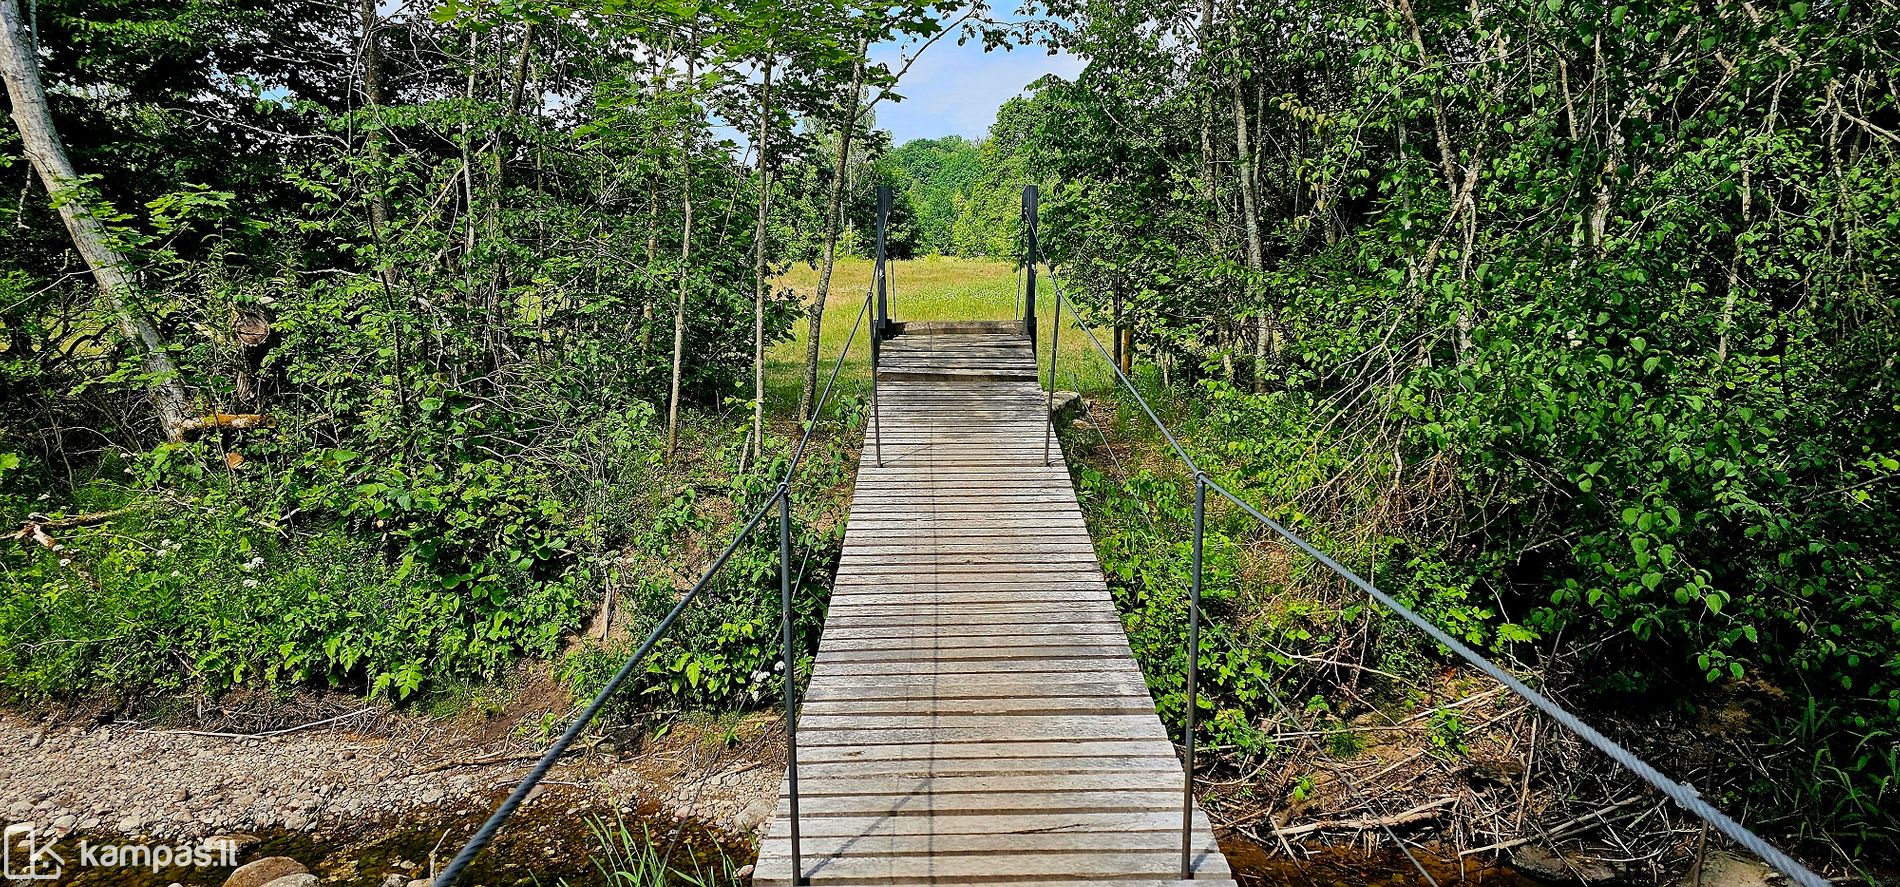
(932, 288)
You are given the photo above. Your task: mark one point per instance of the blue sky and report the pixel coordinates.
(956, 89)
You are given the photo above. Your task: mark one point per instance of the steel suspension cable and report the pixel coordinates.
(781, 497)
(1684, 796)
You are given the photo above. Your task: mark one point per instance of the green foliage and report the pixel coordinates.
(726, 651)
(440, 285)
(1573, 320)
(423, 569)
(956, 197)
(1146, 559)
(932, 176)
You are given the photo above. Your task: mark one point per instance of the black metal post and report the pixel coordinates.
(882, 326)
(1055, 337)
(791, 669)
(1193, 671)
(877, 419)
(1029, 262)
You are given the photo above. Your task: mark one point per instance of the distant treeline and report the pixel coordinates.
(951, 196)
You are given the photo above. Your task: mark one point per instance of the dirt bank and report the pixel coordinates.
(373, 775)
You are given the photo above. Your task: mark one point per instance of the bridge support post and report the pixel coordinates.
(881, 323)
(791, 671)
(1055, 339)
(882, 327)
(877, 417)
(1029, 263)
(1193, 672)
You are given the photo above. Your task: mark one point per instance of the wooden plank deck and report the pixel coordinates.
(975, 715)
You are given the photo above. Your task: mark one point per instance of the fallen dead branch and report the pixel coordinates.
(1420, 813)
(267, 733)
(1561, 830)
(43, 523)
(232, 421)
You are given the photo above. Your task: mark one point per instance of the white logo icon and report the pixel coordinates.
(29, 861)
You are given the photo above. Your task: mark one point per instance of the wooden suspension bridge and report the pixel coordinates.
(974, 714)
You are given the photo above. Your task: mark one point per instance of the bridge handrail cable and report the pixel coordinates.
(781, 498)
(1684, 796)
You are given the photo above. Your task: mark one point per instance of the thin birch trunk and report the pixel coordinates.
(833, 200)
(40, 141)
(1256, 260)
(763, 142)
(686, 257)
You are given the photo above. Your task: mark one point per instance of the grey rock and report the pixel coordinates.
(1066, 405)
(1722, 870)
(239, 843)
(303, 880)
(1558, 867)
(264, 871)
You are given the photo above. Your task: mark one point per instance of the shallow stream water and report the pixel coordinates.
(543, 847)
(554, 845)
(1348, 867)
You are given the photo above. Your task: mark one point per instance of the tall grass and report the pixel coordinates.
(627, 858)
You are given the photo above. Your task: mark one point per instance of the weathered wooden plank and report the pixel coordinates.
(864, 865)
(919, 631)
(974, 713)
(983, 751)
(864, 689)
(1165, 821)
(1021, 766)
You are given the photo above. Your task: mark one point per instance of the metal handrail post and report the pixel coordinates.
(877, 419)
(791, 669)
(883, 316)
(1029, 263)
(1055, 338)
(1193, 672)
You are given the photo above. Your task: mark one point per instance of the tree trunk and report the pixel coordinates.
(686, 257)
(374, 146)
(763, 142)
(1256, 261)
(19, 64)
(373, 97)
(833, 200)
(502, 146)
(1202, 37)
(1727, 320)
(1447, 160)
(660, 64)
